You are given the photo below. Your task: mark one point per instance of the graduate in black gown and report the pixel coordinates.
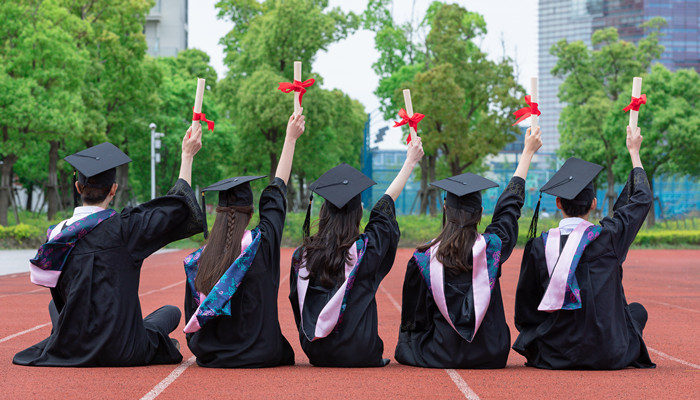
(233, 281)
(92, 263)
(336, 272)
(452, 312)
(570, 306)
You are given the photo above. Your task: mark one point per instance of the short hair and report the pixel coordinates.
(576, 208)
(93, 195)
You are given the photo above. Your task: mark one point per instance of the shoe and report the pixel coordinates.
(176, 343)
(385, 362)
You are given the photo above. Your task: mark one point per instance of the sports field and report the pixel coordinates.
(667, 282)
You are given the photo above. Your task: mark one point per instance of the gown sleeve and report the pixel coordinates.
(273, 210)
(383, 235)
(151, 225)
(506, 214)
(629, 212)
(413, 313)
(528, 293)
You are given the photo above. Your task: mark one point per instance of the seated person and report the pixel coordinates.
(92, 264)
(570, 306)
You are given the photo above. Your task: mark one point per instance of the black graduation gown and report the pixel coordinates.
(251, 337)
(356, 342)
(426, 339)
(100, 322)
(601, 334)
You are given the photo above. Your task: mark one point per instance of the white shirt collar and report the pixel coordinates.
(567, 225)
(78, 213)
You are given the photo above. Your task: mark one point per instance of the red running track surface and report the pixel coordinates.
(667, 282)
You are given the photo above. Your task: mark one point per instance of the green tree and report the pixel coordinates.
(594, 81)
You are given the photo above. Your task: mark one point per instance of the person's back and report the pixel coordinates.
(570, 307)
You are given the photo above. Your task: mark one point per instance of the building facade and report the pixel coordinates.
(166, 28)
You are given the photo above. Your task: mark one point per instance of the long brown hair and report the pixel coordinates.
(327, 251)
(456, 240)
(224, 245)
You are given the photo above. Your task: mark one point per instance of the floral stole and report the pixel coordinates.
(487, 258)
(331, 315)
(218, 301)
(563, 292)
(47, 264)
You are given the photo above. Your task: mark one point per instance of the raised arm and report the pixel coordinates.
(191, 144)
(295, 128)
(413, 155)
(634, 143)
(533, 141)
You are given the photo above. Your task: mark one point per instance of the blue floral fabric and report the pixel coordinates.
(572, 296)
(53, 254)
(218, 301)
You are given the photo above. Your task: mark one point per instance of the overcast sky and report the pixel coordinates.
(513, 22)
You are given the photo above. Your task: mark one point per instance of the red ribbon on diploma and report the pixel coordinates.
(296, 86)
(412, 121)
(526, 112)
(202, 117)
(635, 103)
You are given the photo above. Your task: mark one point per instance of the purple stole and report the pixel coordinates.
(486, 259)
(332, 313)
(563, 292)
(218, 301)
(46, 266)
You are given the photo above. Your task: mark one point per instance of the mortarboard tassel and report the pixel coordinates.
(204, 216)
(535, 216)
(306, 228)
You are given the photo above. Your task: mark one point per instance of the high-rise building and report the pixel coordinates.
(166, 28)
(578, 19)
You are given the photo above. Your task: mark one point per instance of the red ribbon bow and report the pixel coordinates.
(202, 117)
(528, 111)
(412, 121)
(296, 86)
(635, 103)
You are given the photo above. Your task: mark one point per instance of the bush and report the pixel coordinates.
(22, 235)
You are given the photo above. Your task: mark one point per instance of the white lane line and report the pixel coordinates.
(5, 339)
(19, 293)
(284, 279)
(672, 358)
(49, 323)
(454, 375)
(671, 305)
(159, 388)
(163, 288)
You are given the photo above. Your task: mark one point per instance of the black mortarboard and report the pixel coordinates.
(97, 165)
(232, 192)
(573, 181)
(464, 191)
(339, 185)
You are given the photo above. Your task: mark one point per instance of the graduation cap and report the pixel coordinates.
(97, 165)
(573, 182)
(464, 191)
(232, 192)
(340, 186)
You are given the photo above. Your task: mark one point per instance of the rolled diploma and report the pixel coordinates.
(533, 98)
(297, 77)
(636, 92)
(409, 110)
(198, 99)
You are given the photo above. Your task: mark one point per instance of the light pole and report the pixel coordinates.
(155, 157)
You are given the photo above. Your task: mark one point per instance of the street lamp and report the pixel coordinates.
(155, 157)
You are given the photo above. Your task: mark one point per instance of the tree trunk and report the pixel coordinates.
(5, 186)
(66, 190)
(52, 186)
(30, 197)
(432, 197)
(423, 186)
(651, 217)
(291, 193)
(610, 195)
(273, 165)
(303, 196)
(121, 199)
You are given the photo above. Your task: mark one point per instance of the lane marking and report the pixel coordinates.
(49, 323)
(672, 358)
(5, 339)
(672, 305)
(20, 293)
(159, 388)
(454, 375)
(284, 279)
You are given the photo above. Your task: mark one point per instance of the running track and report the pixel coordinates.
(666, 282)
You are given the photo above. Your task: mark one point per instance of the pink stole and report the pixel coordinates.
(559, 266)
(328, 317)
(481, 289)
